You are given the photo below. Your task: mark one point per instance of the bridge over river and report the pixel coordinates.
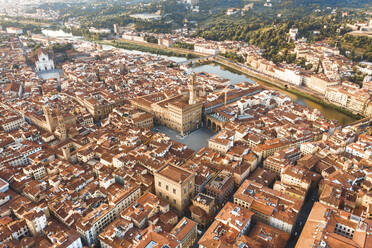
(197, 60)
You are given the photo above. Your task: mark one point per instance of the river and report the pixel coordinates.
(236, 77)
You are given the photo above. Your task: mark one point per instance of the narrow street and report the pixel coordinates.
(302, 217)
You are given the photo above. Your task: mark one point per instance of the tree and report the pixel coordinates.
(151, 39)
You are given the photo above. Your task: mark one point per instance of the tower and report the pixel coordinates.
(48, 118)
(225, 97)
(59, 88)
(66, 152)
(123, 69)
(116, 29)
(61, 127)
(192, 89)
(21, 89)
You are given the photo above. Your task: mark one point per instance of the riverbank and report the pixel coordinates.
(326, 103)
(151, 48)
(290, 88)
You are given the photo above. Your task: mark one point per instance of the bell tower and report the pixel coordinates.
(61, 126)
(66, 152)
(192, 89)
(49, 118)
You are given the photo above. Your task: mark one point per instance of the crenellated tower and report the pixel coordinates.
(192, 89)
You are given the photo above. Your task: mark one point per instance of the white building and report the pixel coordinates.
(165, 42)
(95, 221)
(366, 68)
(231, 11)
(289, 75)
(359, 150)
(193, 2)
(4, 185)
(333, 94)
(206, 49)
(19, 229)
(133, 37)
(66, 239)
(36, 220)
(309, 148)
(11, 123)
(44, 63)
(99, 30)
(13, 30)
(76, 244)
(146, 16)
(293, 33)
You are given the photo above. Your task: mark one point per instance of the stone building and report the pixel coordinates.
(176, 185)
(202, 209)
(178, 112)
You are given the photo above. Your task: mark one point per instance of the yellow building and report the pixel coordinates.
(222, 142)
(143, 120)
(176, 185)
(270, 147)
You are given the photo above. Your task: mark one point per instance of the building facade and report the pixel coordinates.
(175, 185)
(44, 63)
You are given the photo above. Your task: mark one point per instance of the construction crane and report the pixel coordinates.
(224, 91)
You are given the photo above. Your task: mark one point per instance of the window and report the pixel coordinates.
(174, 191)
(167, 187)
(174, 201)
(160, 194)
(159, 184)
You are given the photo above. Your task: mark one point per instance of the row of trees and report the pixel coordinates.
(234, 57)
(61, 47)
(184, 45)
(151, 39)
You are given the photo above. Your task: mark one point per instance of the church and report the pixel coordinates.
(43, 63)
